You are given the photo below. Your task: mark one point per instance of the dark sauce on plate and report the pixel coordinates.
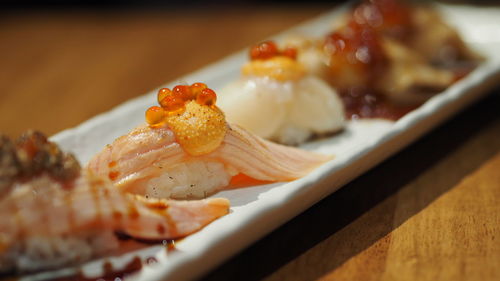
(358, 59)
(109, 273)
(363, 103)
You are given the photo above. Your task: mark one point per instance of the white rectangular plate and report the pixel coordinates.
(258, 210)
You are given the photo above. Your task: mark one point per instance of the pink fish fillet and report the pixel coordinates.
(149, 161)
(44, 219)
(49, 222)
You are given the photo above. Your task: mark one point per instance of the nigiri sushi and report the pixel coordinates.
(386, 57)
(277, 99)
(54, 214)
(188, 150)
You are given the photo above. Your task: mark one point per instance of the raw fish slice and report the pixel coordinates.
(44, 207)
(54, 220)
(164, 160)
(49, 227)
(137, 162)
(265, 160)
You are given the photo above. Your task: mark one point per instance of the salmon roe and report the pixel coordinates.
(269, 49)
(154, 115)
(390, 17)
(356, 55)
(171, 101)
(183, 92)
(196, 88)
(206, 97)
(162, 93)
(290, 52)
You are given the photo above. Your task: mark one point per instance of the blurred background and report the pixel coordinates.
(62, 62)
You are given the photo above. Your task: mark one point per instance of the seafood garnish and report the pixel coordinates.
(189, 151)
(278, 99)
(31, 155)
(387, 57)
(54, 214)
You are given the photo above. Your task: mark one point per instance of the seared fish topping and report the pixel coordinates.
(32, 154)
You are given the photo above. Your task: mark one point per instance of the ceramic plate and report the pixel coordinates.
(258, 210)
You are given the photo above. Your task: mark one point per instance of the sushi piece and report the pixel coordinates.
(421, 28)
(310, 54)
(277, 99)
(386, 57)
(407, 52)
(188, 150)
(54, 214)
(361, 58)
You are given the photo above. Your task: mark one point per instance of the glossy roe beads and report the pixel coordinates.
(162, 93)
(155, 115)
(190, 113)
(269, 49)
(173, 101)
(206, 97)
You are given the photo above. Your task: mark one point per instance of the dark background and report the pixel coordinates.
(20, 5)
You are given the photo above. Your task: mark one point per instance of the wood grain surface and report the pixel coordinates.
(58, 69)
(431, 212)
(442, 225)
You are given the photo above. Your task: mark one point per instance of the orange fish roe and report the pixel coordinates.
(268, 49)
(155, 115)
(190, 111)
(196, 88)
(356, 56)
(290, 52)
(174, 100)
(162, 93)
(172, 103)
(206, 97)
(183, 92)
(113, 175)
(267, 60)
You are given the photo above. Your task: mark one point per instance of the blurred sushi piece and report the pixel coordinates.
(55, 215)
(278, 99)
(386, 57)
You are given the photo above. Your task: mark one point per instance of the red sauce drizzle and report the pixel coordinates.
(161, 229)
(117, 215)
(134, 266)
(109, 273)
(133, 213)
(113, 175)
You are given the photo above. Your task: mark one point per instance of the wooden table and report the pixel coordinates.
(431, 212)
